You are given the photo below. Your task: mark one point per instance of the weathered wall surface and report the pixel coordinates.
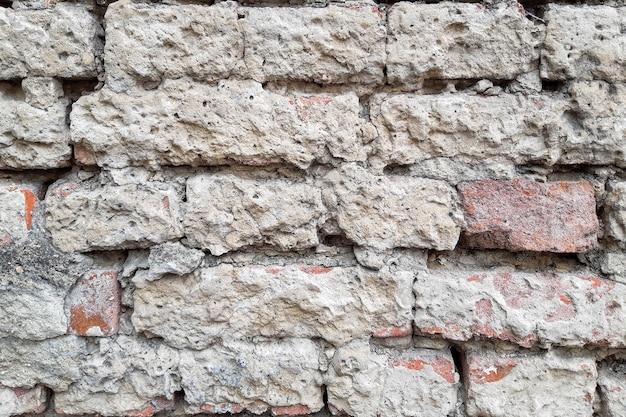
(354, 208)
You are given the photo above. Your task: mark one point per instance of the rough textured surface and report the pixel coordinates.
(54, 363)
(527, 215)
(31, 309)
(15, 401)
(414, 382)
(123, 376)
(172, 258)
(151, 42)
(584, 43)
(307, 301)
(94, 304)
(34, 277)
(616, 217)
(523, 308)
(83, 216)
(413, 128)
(382, 213)
(303, 207)
(254, 377)
(63, 42)
(185, 123)
(33, 131)
(224, 213)
(597, 124)
(324, 45)
(497, 384)
(449, 41)
(611, 379)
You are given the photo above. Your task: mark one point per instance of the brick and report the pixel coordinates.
(187, 123)
(326, 45)
(34, 278)
(521, 384)
(33, 130)
(584, 42)
(17, 210)
(154, 406)
(129, 404)
(253, 376)
(85, 216)
(388, 383)
(517, 128)
(62, 42)
(459, 41)
(398, 331)
(225, 213)
(335, 304)
(151, 42)
(612, 388)
(384, 212)
(525, 308)
(291, 410)
(94, 304)
(17, 401)
(123, 376)
(221, 408)
(527, 215)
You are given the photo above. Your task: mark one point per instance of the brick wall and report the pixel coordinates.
(306, 208)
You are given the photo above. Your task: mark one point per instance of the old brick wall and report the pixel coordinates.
(347, 208)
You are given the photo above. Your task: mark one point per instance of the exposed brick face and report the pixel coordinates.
(16, 214)
(527, 309)
(527, 215)
(292, 208)
(94, 304)
(15, 401)
(496, 384)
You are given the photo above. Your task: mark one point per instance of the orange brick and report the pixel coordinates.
(94, 304)
(442, 366)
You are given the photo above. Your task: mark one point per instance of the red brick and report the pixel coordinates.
(256, 407)
(486, 371)
(221, 408)
(528, 215)
(83, 156)
(94, 304)
(291, 410)
(157, 405)
(23, 400)
(399, 331)
(521, 307)
(441, 365)
(497, 384)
